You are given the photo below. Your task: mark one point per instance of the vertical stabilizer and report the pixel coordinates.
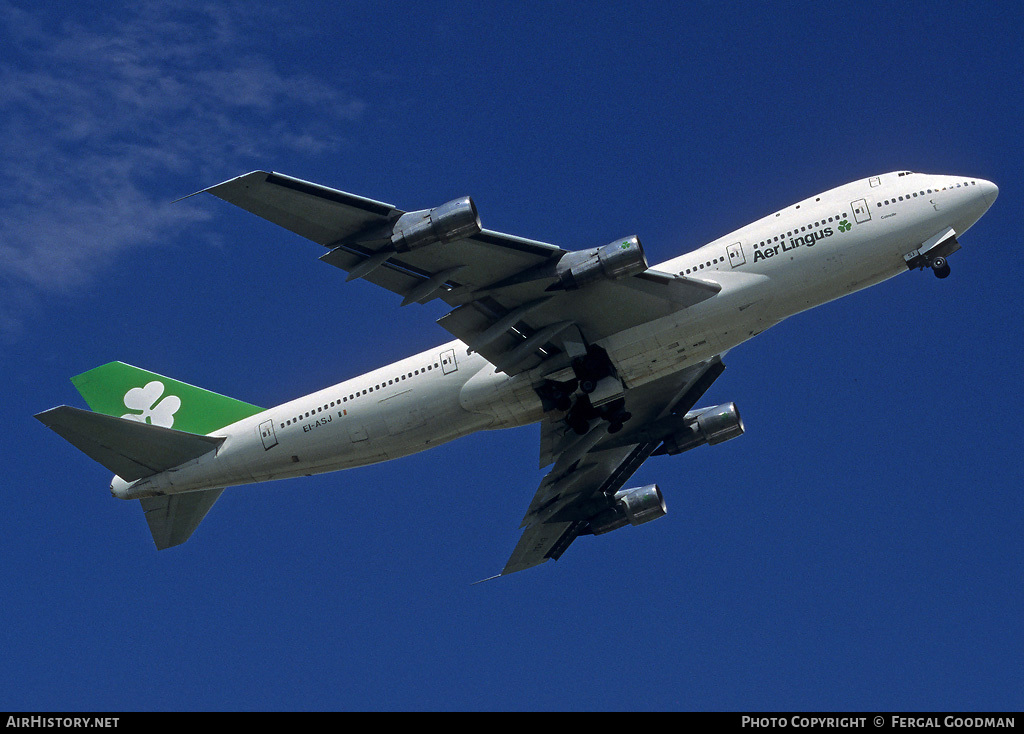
(124, 391)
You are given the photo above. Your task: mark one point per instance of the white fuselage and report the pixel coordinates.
(819, 249)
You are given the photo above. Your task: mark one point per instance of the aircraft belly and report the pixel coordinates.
(500, 401)
(397, 426)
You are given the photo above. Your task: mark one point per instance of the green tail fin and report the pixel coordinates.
(124, 391)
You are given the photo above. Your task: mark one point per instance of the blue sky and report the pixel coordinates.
(859, 548)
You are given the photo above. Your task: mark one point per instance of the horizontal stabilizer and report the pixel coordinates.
(130, 449)
(172, 518)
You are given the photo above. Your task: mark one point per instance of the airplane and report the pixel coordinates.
(608, 354)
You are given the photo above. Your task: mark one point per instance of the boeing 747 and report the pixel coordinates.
(607, 353)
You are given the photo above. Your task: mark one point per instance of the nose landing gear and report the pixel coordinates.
(933, 253)
(940, 267)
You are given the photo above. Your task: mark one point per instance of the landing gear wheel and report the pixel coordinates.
(940, 267)
(580, 427)
(563, 403)
(588, 386)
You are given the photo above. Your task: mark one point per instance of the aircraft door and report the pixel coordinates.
(448, 363)
(861, 212)
(736, 255)
(266, 431)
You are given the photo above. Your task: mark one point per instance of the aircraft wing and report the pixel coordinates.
(506, 302)
(588, 470)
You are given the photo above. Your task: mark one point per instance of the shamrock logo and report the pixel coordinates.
(845, 226)
(146, 399)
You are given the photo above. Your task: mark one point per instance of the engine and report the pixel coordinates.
(632, 507)
(619, 259)
(706, 426)
(452, 221)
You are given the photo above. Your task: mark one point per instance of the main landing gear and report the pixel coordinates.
(595, 393)
(583, 412)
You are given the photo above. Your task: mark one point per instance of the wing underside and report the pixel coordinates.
(590, 469)
(498, 285)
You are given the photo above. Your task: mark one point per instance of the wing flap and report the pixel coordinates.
(394, 275)
(535, 545)
(129, 449)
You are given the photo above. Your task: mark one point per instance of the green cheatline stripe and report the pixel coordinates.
(200, 411)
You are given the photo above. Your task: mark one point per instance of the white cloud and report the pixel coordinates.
(97, 113)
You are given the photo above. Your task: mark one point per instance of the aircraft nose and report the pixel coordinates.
(990, 190)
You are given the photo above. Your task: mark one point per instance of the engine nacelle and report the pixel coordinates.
(705, 426)
(619, 259)
(632, 507)
(452, 221)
